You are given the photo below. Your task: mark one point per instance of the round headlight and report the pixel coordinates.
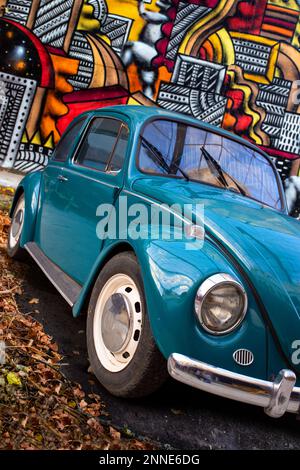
(221, 304)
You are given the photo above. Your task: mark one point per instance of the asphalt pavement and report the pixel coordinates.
(177, 416)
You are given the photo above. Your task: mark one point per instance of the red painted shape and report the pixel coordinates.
(106, 93)
(240, 121)
(280, 153)
(162, 45)
(248, 17)
(55, 51)
(277, 22)
(80, 101)
(47, 78)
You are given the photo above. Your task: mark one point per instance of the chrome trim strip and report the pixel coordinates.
(275, 397)
(72, 170)
(62, 293)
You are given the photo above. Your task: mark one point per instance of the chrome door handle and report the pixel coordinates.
(62, 179)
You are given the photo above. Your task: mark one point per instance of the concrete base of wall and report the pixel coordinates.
(9, 179)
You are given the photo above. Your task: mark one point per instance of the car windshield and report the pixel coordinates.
(175, 149)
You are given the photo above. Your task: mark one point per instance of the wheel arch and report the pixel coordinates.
(17, 195)
(106, 255)
(30, 187)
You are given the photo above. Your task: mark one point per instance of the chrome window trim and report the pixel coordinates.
(85, 132)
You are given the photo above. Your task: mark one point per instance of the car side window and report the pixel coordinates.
(67, 140)
(99, 143)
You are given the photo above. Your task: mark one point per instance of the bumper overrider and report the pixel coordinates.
(275, 397)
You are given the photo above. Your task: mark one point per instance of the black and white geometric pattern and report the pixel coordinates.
(289, 138)
(100, 9)
(4, 100)
(273, 98)
(52, 21)
(199, 74)
(195, 89)
(251, 56)
(207, 107)
(18, 10)
(19, 93)
(80, 49)
(32, 157)
(187, 15)
(117, 29)
(283, 165)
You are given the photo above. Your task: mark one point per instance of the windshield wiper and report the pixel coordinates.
(214, 166)
(160, 159)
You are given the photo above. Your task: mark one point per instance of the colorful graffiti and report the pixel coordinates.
(232, 63)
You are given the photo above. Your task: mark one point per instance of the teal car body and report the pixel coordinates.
(256, 244)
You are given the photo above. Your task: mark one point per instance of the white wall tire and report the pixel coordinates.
(117, 347)
(122, 350)
(14, 249)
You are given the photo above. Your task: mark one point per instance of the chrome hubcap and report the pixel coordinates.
(17, 224)
(117, 322)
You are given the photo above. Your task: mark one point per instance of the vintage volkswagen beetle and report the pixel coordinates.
(223, 314)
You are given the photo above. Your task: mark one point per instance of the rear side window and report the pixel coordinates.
(67, 141)
(100, 145)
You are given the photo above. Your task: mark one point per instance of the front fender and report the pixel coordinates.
(171, 276)
(30, 186)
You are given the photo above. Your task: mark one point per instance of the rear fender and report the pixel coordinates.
(30, 187)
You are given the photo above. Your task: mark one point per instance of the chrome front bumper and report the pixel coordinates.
(275, 397)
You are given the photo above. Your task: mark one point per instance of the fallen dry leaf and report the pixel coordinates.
(40, 408)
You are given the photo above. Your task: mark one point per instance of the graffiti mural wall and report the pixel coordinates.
(232, 63)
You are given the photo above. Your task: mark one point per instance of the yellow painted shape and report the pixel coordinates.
(223, 47)
(129, 9)
(133, 102)
(36, 139)
(247, 92)
(49, 144)
(259, 78)
(253, 38)
(25, 138)
(87, 21)
(291, 5)
(221, 10)
(104, 38)
(217, 48)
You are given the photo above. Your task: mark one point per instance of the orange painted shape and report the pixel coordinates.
(54, 106)
(286, 11)
(278, 30)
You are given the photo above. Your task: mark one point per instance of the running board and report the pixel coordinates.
(65, 285)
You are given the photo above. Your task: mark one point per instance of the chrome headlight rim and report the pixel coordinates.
(218, 280)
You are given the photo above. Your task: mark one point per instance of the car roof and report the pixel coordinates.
(139, 114)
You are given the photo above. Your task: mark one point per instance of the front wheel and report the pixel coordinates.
(14, 249)
(122, 350)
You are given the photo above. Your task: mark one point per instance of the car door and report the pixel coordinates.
(91, 177)
(50, 217)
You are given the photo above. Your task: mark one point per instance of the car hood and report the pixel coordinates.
(265, 243)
